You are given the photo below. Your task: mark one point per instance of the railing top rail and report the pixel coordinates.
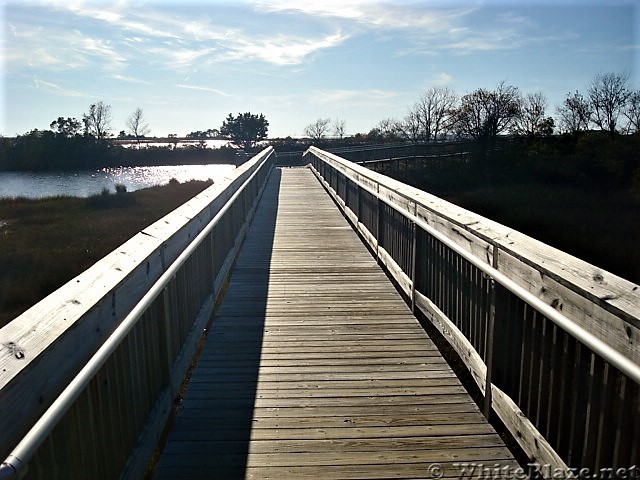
(24, 451)
(615, 358)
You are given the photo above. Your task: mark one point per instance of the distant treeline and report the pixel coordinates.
(579, 193)
(591, 160)
(47, 150)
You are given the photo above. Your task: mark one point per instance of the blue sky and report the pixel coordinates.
(189, 64)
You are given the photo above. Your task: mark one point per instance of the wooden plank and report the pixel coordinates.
(314, 363)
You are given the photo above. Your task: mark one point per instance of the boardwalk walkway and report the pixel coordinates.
(314, 367)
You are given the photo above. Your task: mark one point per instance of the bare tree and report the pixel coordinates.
(632, 112)
(410, 128)
(339, 128)
(137, 124)
(433, 111)
(608, 93)
(574, 113)
(98, 121)
(385, 130)
(318, 129)
(531, 120)
(388, 128)
(484, 114)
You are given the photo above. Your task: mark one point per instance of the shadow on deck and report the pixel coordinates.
(314, 366)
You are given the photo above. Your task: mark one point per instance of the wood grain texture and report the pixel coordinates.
(315, 367)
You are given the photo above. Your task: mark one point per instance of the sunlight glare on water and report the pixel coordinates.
(87, 183)
(135, 178)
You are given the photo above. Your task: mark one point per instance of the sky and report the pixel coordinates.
(189, 64)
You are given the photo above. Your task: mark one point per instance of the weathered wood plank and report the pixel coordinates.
(314, 364)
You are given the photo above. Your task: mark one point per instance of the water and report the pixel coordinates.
(87, 183)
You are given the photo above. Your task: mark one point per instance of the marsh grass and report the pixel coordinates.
(45, 243)
(600, 228)
(598, 225)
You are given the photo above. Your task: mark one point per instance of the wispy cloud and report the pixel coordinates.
(59, 49)
(57, 89)
(174, 56)
(280, 49)
(108, 54)
(440, 79)
(204, 89)
(121, 16)
(387, 15)
(127, 31)
(124, 78)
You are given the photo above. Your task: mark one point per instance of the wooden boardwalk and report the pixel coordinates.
(314, 366)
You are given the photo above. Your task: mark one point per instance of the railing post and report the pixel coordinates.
(486, 407)
(165, 326)
(378, 223)
(414, 248)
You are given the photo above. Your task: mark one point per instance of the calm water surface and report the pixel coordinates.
(87, 183)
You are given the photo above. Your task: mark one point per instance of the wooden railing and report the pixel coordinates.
(89, 375)
(552, 342)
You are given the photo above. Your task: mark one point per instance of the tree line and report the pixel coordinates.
(73, 144)
(609, 104)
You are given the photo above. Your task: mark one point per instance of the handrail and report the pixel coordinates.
(624, 364)
(14, 464)
(550, 363)
(411, 157)
(612, 356)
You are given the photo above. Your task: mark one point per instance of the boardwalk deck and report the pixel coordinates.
(314, 366)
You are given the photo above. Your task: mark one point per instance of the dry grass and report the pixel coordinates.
(598, 225)
(600, 228)
(45, 243)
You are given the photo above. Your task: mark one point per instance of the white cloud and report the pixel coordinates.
(57, 89)
(279, 50)
(177, 57)
(110, 56)
(441, 79)
(124, 78)
(157, 37)
(388, 15)
(204, 89)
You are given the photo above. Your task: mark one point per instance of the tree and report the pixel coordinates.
(632, 112)
(433, 111)
(245, 129)
(531, 120)
(97, 122)
(409, 128)
(318, 129)
(339, 127)
(484, 114)
(386, 130)
(137, 124)
(67, 127)
(574, 113)
(608, 94)
(199, 134)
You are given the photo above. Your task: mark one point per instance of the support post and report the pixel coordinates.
(486, 408)
(414, 254)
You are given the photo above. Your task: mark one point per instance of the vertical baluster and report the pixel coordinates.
(486, 408)
(414, 268)
(594, 406)
(581, 364)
